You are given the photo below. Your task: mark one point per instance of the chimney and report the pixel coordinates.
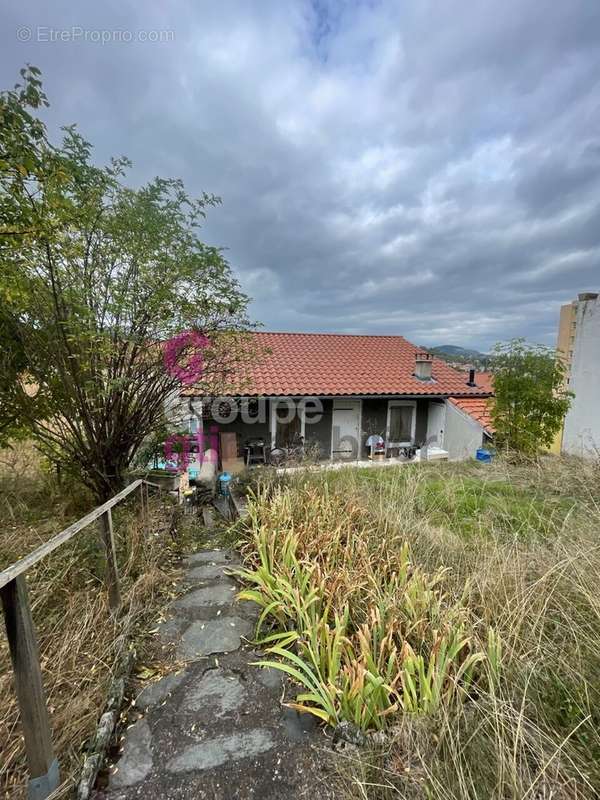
(471, 381)
(423, 366)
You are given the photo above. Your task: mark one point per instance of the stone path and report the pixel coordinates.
(217, 729)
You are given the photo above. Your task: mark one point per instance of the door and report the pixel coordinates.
(345, 424)
(436, 422)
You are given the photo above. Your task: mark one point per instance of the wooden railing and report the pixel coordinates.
(22, 640)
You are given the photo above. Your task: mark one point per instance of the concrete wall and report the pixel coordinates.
(462, 436)
(581, 434)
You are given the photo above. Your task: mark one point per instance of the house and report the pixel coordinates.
(337, 390)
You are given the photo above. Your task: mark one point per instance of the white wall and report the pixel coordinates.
(582, 424)
(463, 435)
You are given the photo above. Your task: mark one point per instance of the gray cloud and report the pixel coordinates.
(430, 169)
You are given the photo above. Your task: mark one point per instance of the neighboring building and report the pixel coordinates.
(468, 425)
(579, 341)
(567, 327)
(485, 380)
(336, 391)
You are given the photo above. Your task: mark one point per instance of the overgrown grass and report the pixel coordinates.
(79, 641)
(453, 606)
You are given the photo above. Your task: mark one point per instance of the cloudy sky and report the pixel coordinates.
(430, 168)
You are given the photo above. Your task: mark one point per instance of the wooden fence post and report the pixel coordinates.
(147, 506)
(112, 571)
(142, 505)
(24, 653)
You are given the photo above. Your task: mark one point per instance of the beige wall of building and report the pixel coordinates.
(567, 327)
(565, 344)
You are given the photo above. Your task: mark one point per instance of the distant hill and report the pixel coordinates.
(460, 355)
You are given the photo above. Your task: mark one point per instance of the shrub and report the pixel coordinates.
(531, 396)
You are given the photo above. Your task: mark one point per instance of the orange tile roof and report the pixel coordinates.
(485, 381)
(478, 408)
(344, 364)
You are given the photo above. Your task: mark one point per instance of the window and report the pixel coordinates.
(401, 422)
(287, 423)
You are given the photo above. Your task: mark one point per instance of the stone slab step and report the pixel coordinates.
(221, 635)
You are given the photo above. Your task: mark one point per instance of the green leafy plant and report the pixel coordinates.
(531, 396)
(410, 652)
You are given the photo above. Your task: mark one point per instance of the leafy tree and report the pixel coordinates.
(96, 277)
(531, 396)
(12, 366)
(22, 145)
(26, 157)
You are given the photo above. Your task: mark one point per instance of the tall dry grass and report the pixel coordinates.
(80, 642)
(517, 549)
